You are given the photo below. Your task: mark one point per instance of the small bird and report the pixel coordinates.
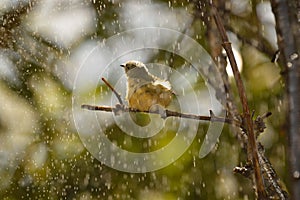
(144, 90)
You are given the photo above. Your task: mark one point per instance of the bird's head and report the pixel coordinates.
(132, 64)
(136, 69)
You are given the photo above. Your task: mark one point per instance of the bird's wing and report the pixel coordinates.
(164, 83)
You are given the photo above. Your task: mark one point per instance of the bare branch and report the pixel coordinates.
(113, 90)
(252, 148)
(164, 113)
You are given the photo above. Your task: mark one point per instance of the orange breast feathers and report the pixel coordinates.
(144, 97)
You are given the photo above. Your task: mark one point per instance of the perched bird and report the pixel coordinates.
(145, 90)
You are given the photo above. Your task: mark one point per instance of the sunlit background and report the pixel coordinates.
(44, 43)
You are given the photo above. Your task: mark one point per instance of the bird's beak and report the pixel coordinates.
(122, 65)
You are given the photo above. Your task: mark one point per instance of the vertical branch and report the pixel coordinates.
(252, 147)
(287, 28)
(217, 54)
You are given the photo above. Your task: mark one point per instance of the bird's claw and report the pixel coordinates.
(118, 109)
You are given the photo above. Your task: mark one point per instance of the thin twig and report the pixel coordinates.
(252, 147)
(164, 113)
(113, 90)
